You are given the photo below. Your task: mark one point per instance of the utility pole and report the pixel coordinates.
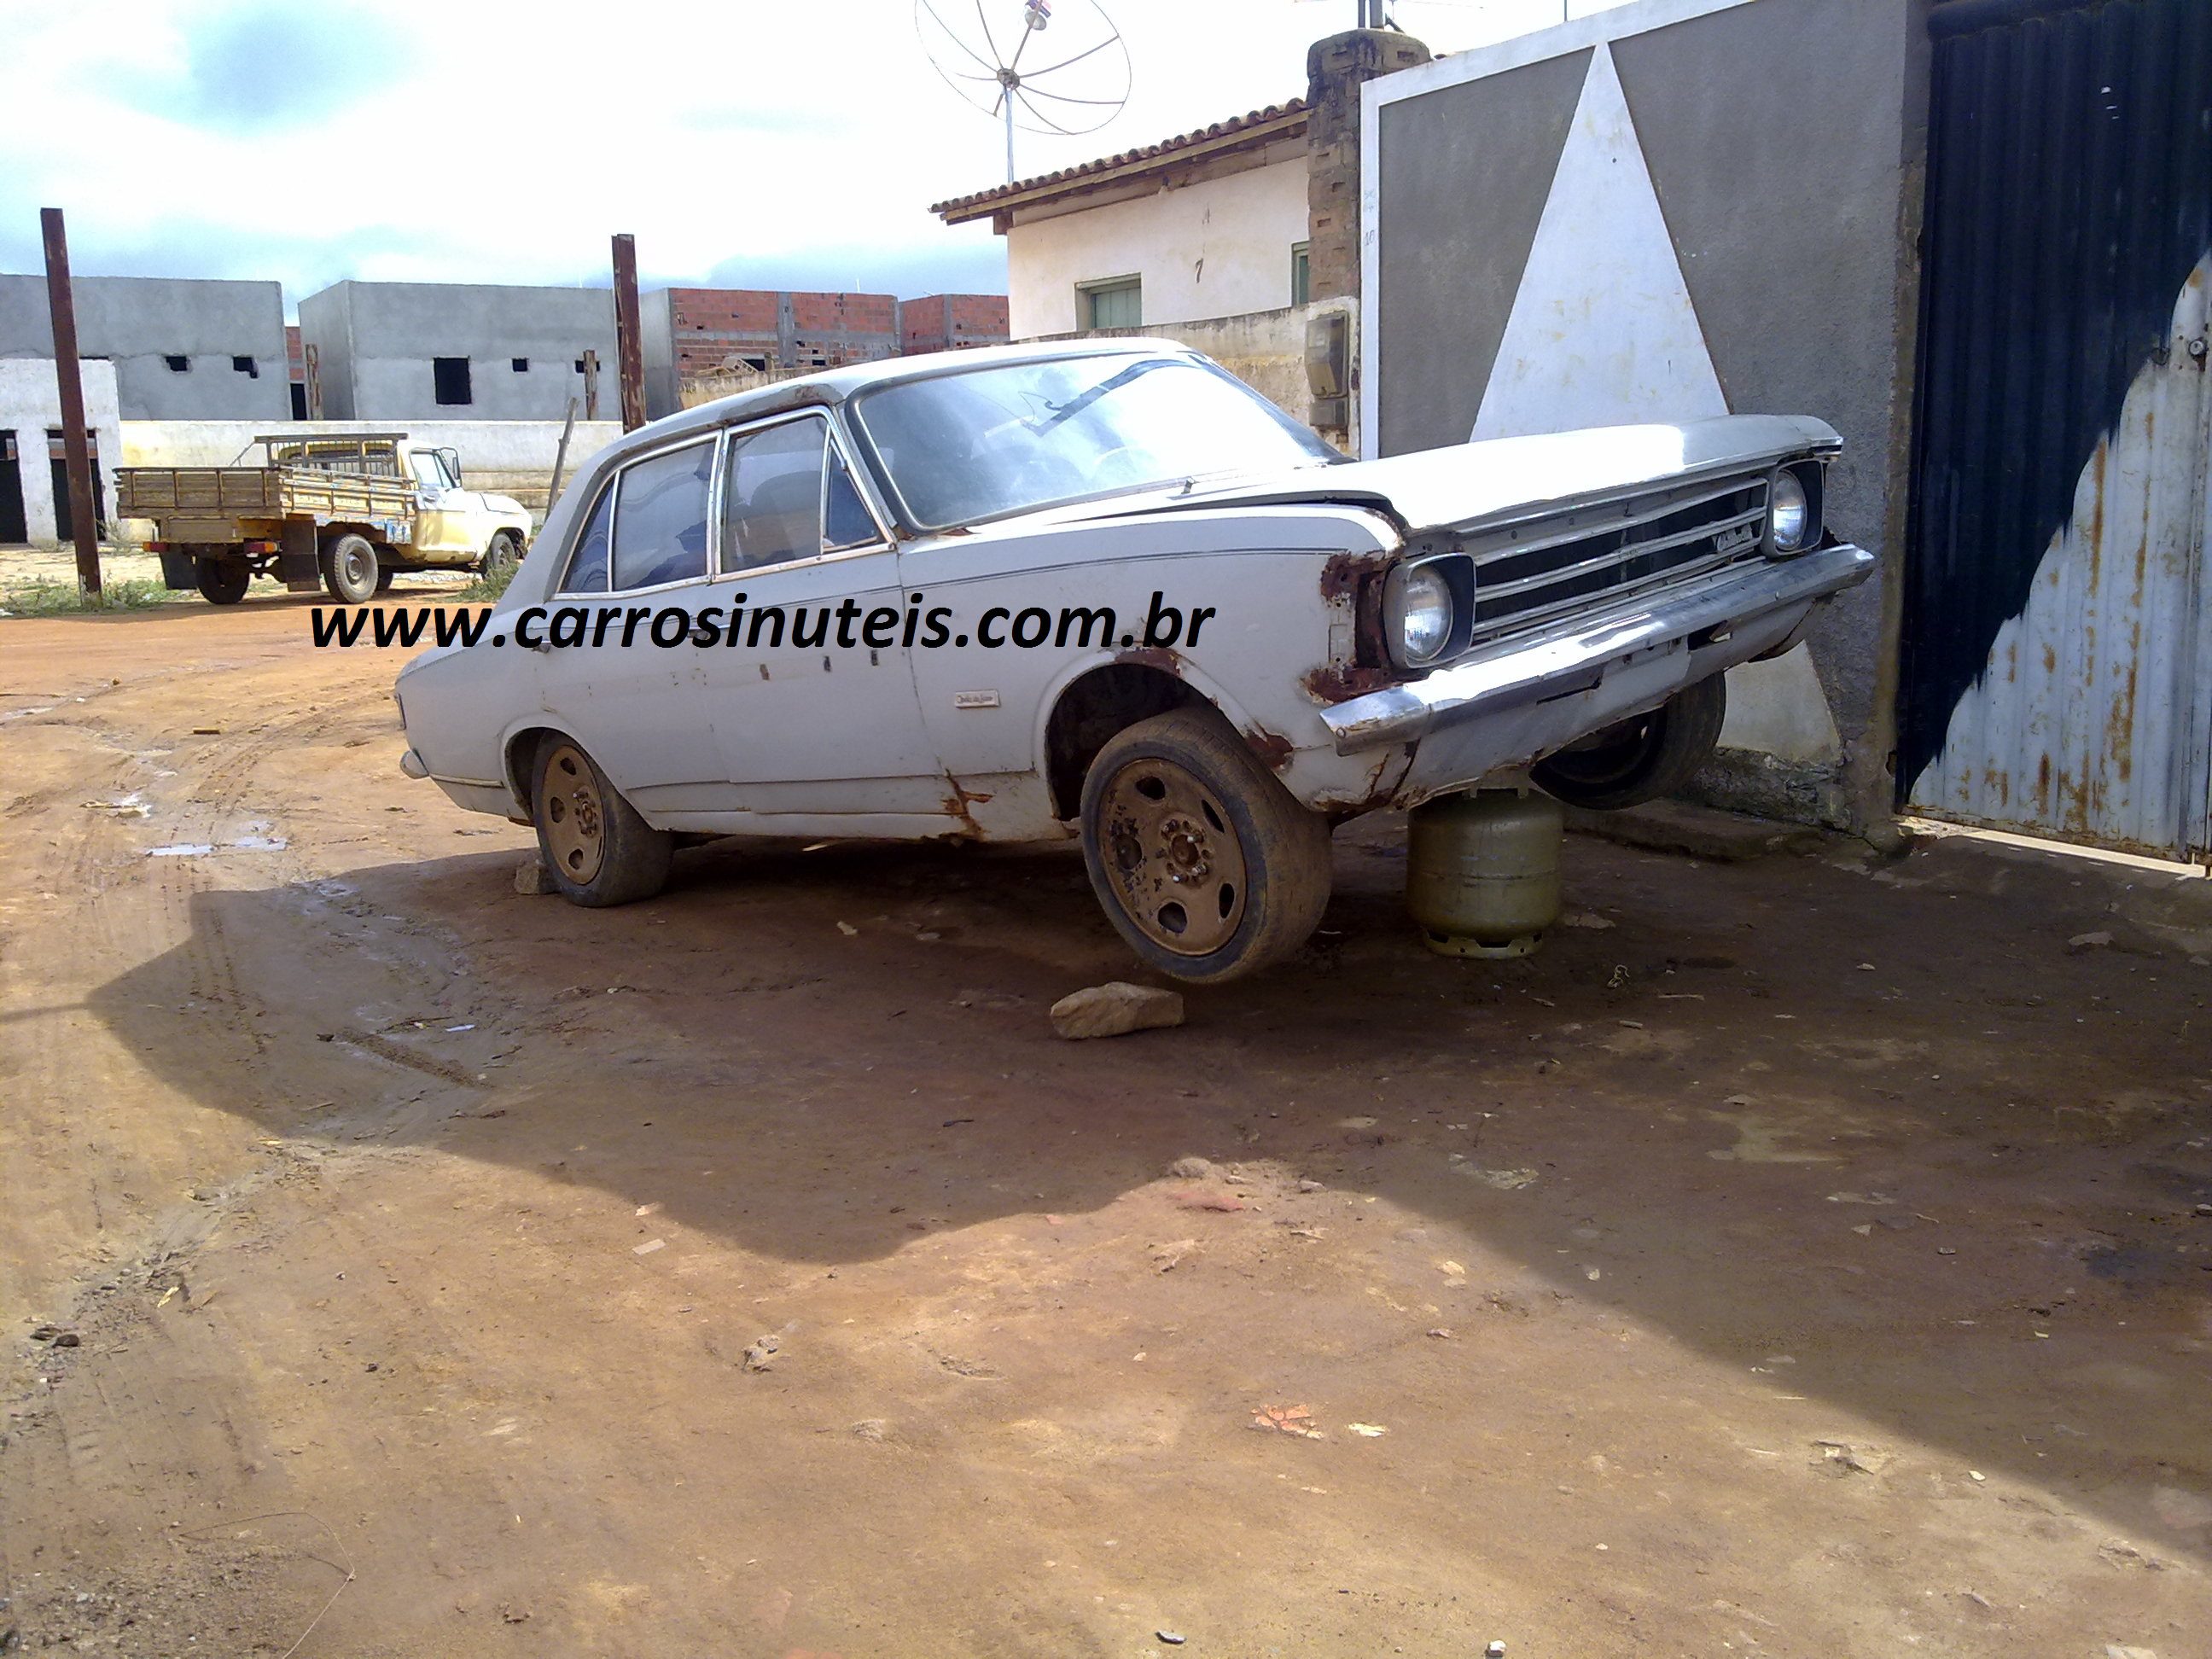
(61, 302)
(629, 347)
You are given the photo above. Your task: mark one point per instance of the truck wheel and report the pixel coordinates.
(500, 558)
(600, 850)
(384, 573)
(1201, 860)
(1640, 759)
(350, 568)
(223, 581)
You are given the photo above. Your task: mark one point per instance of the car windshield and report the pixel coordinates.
(984, 443)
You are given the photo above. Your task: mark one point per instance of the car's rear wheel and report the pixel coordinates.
(1641, 759)
(349, 569)
(223, 581)
(600, 850)
(1200, 857)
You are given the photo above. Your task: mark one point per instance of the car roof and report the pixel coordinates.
(835, 386)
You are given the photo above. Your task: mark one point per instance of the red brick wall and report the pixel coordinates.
(713, 324)
(736, 310)
(866, 313)
(977, 319)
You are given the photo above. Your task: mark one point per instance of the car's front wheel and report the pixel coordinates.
(600, 850)
(1640, 759)
(501, 559)
(1200, 857)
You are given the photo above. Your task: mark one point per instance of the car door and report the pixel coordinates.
(447, 519)
(810, 692)
(618, 669)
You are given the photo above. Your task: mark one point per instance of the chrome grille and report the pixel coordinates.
(1617, 550)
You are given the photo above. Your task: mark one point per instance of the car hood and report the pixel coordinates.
(1504, 479)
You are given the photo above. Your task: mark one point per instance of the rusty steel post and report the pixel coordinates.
(630, 344)
(70, 380)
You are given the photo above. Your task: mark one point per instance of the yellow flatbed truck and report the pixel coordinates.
(346, 512)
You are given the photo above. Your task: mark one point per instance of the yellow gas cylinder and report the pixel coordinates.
(1482, 871)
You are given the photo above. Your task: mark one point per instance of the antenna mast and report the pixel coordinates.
(1079, 91)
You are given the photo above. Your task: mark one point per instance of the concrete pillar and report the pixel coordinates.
(1335, 69)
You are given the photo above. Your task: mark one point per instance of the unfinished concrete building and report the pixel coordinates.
(183, 348)
(398, 351)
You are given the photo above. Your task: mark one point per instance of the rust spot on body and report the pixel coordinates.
(1152, 656)
(1272, 747)
(1373, 797)
(957, 804)
(1341, 575)
(1341, 681)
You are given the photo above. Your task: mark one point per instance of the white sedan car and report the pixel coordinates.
(1102, 590)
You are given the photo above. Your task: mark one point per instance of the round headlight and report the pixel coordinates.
(1424, 607)
(1792, 514)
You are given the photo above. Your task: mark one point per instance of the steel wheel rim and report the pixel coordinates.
(1172, 856)
(575, 817)
(356, 567)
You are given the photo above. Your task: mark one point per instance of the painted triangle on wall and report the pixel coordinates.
(1603, 331)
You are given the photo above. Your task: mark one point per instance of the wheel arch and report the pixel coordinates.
(1096, 701)
(516, 751)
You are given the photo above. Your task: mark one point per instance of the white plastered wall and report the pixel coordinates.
(1214, 248)
(30, 403)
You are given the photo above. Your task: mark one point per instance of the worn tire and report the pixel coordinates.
(1641, 759)
(501, 557)
(223, 581)
(349, 569)
(600, 850)
(1199, 857)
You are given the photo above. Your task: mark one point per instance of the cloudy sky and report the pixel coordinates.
(794, 144)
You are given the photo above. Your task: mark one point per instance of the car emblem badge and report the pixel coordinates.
(974, 699)
(1736, 539)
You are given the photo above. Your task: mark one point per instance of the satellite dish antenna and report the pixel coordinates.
(1041, 65)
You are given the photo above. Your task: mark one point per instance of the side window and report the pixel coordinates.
(772, 495)
(588, 566)
(660, 517)
(845, 520)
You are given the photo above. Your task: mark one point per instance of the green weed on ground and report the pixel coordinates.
(42, 597)
(486, 589)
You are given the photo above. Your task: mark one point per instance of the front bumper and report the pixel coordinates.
(1757, 607)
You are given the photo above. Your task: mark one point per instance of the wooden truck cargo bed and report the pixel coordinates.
(208, 495)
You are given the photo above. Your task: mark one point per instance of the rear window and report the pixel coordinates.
(660, 517)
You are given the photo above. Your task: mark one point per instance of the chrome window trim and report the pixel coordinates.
(606, 496)
(611, 492)
(732, 436)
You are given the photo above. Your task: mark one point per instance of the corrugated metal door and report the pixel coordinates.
(2057, 642)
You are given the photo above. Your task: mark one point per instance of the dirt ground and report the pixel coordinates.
(1801, 1256)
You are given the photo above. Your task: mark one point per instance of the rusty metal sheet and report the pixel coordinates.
(2058, 621)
